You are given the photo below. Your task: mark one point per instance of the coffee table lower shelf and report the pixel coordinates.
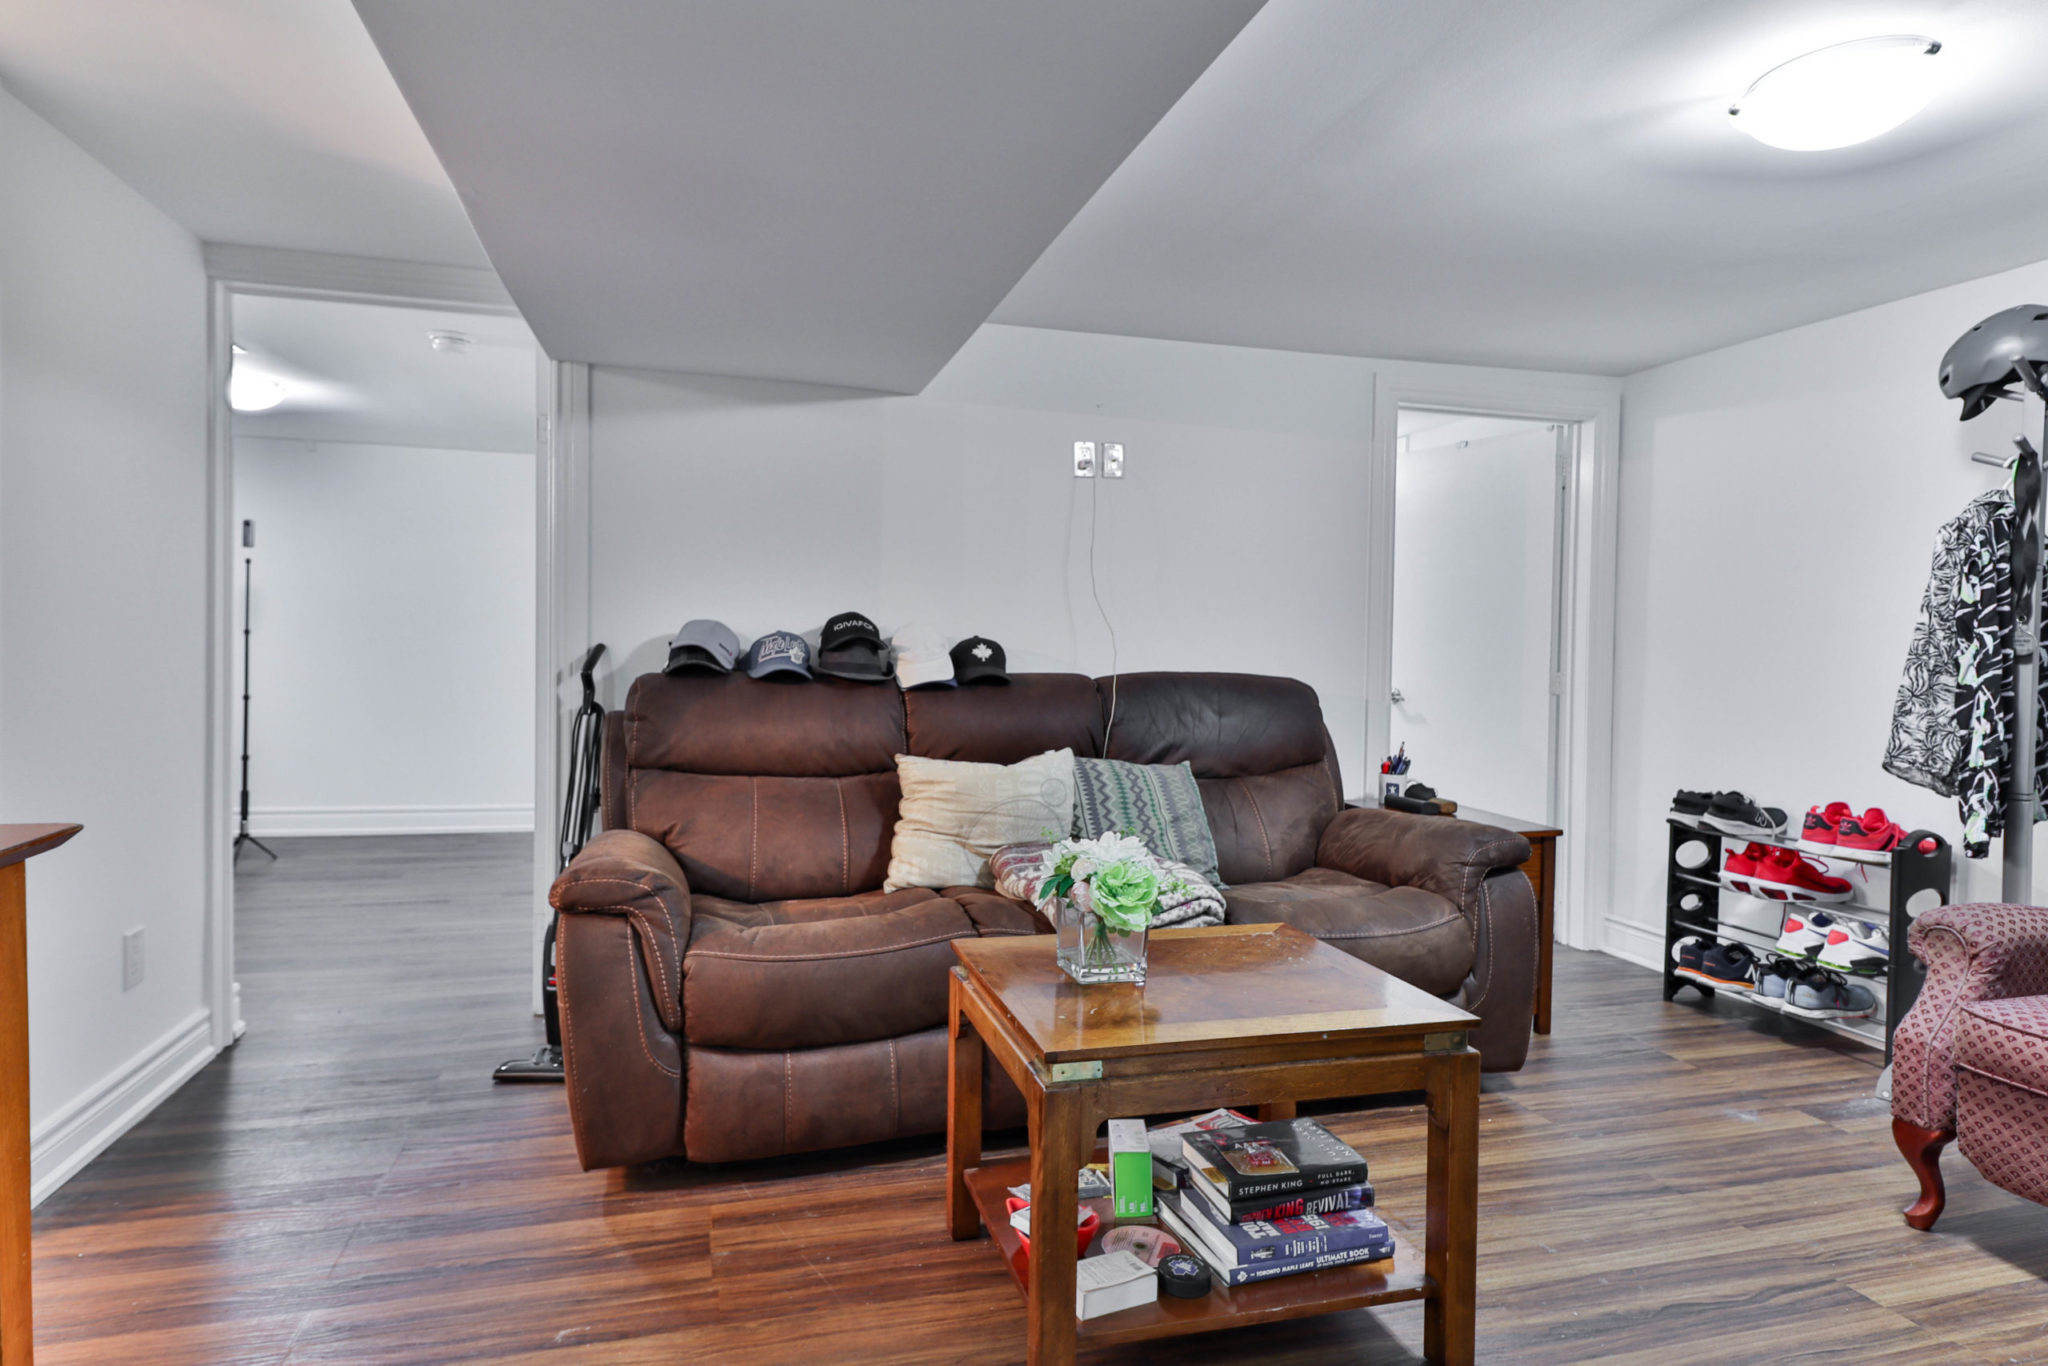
(1287, 1297)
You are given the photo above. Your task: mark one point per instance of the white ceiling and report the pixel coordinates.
(832, 192)
(270, 122)
(366, 373)
(1551, 184)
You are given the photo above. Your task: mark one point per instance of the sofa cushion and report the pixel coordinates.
(802, 974)
(1267, 827)
(1416, 935)
(765, 839)
(733, 724)
(995, 915)
(1000, 725)
(1223, 725)
(1158, 803)
(954, 814)
(2006, 1040)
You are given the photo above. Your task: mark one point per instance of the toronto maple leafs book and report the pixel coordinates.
(1280, 1157)
(1243, 1253)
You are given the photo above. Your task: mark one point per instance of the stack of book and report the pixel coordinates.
(1267, 1200)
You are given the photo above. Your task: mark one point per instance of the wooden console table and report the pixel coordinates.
(18, 844)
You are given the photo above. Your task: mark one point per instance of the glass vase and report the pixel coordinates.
(1091, 950)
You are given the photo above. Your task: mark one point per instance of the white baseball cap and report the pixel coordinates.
(922, 660)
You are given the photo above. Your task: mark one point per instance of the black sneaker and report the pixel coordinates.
(1688, 807)
(1732, 813)
(1686, 953)
(1731, 967)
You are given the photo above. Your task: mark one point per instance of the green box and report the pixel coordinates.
(1130, 1169)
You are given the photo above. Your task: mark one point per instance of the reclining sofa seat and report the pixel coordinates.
(733, 986)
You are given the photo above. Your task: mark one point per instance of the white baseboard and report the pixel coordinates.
(1633, 943)
(84, 1129)
(291, 821)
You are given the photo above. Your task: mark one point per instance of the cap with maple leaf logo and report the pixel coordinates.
(978, 659)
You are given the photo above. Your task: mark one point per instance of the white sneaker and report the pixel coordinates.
(1805, 933)
(1858, 948)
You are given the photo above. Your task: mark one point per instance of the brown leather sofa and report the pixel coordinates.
(732, 984)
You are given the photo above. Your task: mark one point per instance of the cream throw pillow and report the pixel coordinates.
(954, 815)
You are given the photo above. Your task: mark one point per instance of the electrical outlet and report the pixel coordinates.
(1112, 460)
(1084, 459)
(131, 959)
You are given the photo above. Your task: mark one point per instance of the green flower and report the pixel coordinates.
(1124, 893)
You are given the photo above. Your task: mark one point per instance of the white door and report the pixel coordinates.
(1478, 506)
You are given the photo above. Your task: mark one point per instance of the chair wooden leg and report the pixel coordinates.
(1922, 1150)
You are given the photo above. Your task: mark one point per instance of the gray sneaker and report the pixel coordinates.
(1774, 982)
(1822, 995)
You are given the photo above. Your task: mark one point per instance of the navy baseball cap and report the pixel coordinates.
(703, 645)
(851, 646)
(779, 652)
(978, 659)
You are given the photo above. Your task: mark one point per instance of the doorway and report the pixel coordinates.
(1477, 653)
(381, 519)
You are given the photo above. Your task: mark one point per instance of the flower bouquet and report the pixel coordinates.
(1101, 896)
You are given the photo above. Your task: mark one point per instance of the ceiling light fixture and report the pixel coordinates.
(252, 391)
(454, 343)
(1841, 95)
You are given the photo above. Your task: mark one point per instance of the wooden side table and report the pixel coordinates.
(18, 844)
(1541, 870)
(1238, 1015)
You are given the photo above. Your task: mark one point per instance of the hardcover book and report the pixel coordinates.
(1209, 1185)
(1281, 1157)
(1183, 1216)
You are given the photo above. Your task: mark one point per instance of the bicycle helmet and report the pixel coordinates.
(1979, 367)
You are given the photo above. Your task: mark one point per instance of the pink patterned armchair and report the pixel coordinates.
(1970, 1060)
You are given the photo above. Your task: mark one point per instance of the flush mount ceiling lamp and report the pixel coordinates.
(1841, 95)
(252, 391)
(451, 343)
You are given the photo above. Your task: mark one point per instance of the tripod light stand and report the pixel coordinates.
(242, 835)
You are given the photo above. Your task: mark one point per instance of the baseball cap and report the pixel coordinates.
(978, 659)
(921, 659)
(703, 645)
(851, 646)
(779, 652)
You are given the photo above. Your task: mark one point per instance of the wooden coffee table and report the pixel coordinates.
(1240, 1015)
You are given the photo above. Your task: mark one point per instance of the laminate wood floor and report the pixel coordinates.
(1662, 1183)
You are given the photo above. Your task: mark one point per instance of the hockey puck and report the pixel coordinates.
(1184, 1277)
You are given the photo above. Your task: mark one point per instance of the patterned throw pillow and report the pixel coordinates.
(1158, 803)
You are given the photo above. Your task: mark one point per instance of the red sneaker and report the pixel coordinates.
(1784, 875)
(1872, 833)
(1741, 868)
(1824, 824)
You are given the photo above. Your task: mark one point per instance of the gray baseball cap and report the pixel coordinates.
(703, 644)
(779, 652)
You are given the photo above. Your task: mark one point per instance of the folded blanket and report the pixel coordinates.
(1186, 898)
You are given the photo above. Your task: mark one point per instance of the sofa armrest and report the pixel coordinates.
(1976, 952)
(1436, 853)
(630, 875)
(1477, 868)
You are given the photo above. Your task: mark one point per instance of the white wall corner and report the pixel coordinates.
(88, 1126)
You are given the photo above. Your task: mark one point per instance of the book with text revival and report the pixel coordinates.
(1280, 1157)
(1206, 1183)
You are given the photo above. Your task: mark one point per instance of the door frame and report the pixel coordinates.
(1584, 767)
(561, 573)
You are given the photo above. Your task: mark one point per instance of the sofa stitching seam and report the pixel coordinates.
(1264, 838)
(821, 957)
(640, 1019)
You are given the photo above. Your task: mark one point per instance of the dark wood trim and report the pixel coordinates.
(18, 842)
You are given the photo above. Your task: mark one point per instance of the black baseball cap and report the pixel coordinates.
(978, 659)
(851, 646)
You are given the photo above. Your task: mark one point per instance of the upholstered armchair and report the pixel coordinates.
(1970, 1060)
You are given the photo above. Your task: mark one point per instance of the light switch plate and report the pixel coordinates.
(1112, 460)
(1084, 459)
(131, 959)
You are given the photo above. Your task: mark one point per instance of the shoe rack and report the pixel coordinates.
(1923, 862)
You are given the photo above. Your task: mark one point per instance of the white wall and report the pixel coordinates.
(1235, 541)
(1779, 501)
(103, 593)
(392, 652)
(1474, 572)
